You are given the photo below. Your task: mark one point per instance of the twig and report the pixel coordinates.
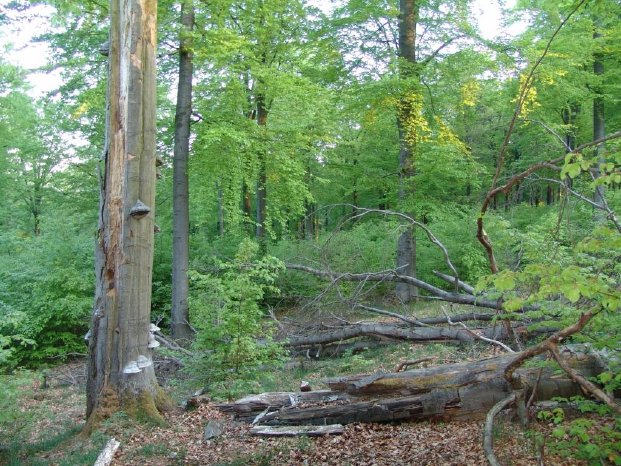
(531, 399)
(611, 215)
(171, 345)
(414, 322)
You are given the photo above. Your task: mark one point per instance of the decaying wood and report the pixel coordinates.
(249, 407)
(399, 332)
(550, 344)
(107, 454)
(453, 391)
(293, 431)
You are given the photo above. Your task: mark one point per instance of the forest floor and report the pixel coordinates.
(40, 425)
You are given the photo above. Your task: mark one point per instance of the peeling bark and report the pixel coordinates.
(120, 371)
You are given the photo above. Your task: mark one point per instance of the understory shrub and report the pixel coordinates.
(235, 341)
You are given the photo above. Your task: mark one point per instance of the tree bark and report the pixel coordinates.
(180, 325)
(447, 392)
(120, 369)
(406, 244)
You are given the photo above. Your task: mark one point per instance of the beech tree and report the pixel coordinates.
(181, 211)
(409, 108)
(120, 369)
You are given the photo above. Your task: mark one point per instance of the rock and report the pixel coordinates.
(213, 429)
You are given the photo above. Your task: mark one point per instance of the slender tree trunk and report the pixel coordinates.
(220, 209)
(599, 130)
(262, 179)
(180, 327)
(246, 201)
(406, 244)
(120, 369)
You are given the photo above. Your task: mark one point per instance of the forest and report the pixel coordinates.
(311, 232)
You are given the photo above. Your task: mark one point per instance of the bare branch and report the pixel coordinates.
(171, 345)
(488, 432)
(474, 334)
(585, 384)
(405, 364)
(528, 83)
(546, 344)
(364, 211)
(481, 234)
(611, 215)
(415, 322)
(447, 278)
(393, 276)
(566, 146)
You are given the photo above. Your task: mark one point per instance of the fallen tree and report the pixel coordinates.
(454, 391)
(394, 276)
(399, 332)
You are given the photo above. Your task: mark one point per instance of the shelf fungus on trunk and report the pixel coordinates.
(139, 210)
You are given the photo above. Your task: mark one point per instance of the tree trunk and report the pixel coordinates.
(447, 392)
(120, 369)
(599, 130)
(180, 325)
(406, 245)
(262, 180)
(220, 194)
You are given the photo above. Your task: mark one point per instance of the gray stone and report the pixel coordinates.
(213, 429)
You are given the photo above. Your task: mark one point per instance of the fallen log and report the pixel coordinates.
(294, 431)
(400, 332)
(453, 391)
(107, 454)
(249, 407)
(338, 349)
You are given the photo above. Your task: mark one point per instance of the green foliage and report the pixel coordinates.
(582, 438)
(46, 294)
(233, 337)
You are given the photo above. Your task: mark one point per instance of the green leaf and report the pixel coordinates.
(504, 281)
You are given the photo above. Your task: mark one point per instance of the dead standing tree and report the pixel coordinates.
(120, 369)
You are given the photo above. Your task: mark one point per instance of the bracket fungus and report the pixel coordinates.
(131, 368)
(143, 361)
(140, 209)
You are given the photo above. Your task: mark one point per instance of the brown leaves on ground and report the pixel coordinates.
(181, 441)
(455, 443)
